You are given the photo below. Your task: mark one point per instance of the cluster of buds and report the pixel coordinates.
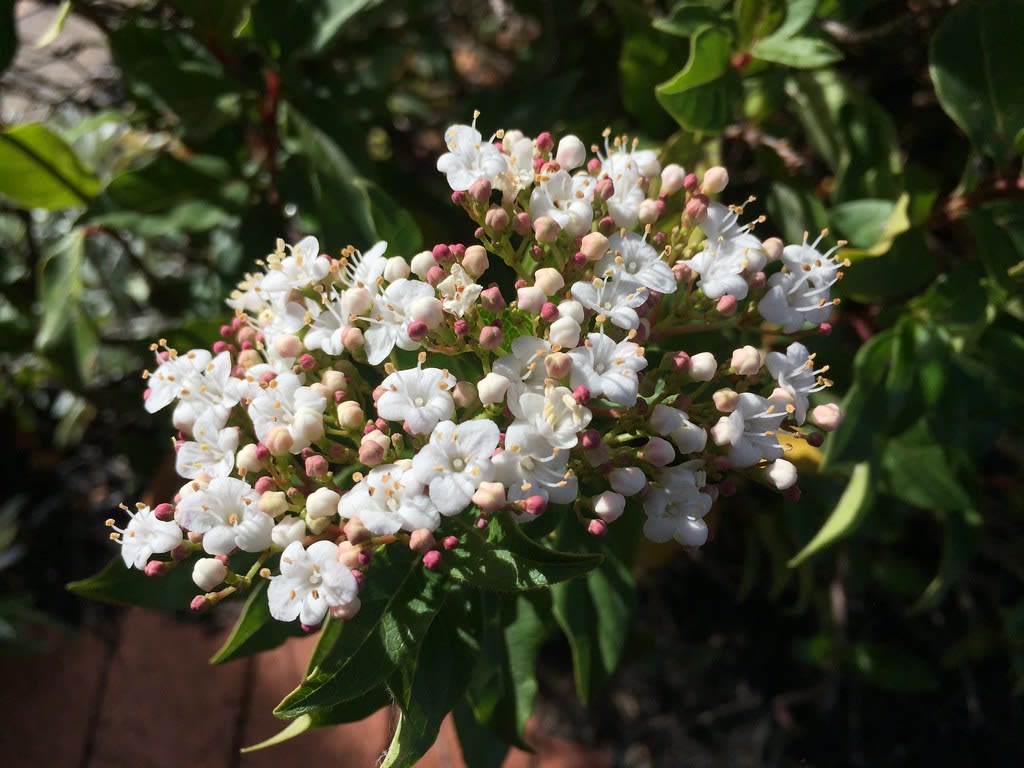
(360, 401)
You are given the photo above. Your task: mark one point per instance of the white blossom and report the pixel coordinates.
(145, 536)
(530, 466)
(555, 414)
(750, 430)
(285, 402)
(631, 258)
(730, 253)
(225, 511)
(614, 300)
(607, 368)
(794, 371)
(419, 397)
(212, 451)
(458, 291)
(391, 315)
(675, 506)
(469, 158)
(390, 498)
(311, 581)
(566, 199)
(455, 461)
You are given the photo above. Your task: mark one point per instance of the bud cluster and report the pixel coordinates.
(360, 401)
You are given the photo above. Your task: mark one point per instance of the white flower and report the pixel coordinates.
(285, 402)
(145, 536)
(469, 158)
(627, 169)
(675, 506)
(417, 396)
(530, 466)
(301, 269)
(632, 258)
(225, 511)
(212, 451)
(801, 291)
(323, 502)
(730, 252)
(750, 430)
(518, 174)
(556, 415)
(614, 300)
(364, 270)
(676, 425)
(392, 313)
(458, 291)
(455, 461)
(794, 371)
(311, 581)
(196, 378)
(524, 368)
(388, 499)
(608, 369)
(327, 329)
(566, 199)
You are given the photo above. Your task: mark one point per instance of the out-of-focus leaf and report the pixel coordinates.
(974, 62)
(392, 223)
(686, 18)
(871, 226)
(703, 95)
(56, 26)
(798, 52)
(854, 502)
(130, 586)
(798, 13)
(904, 270)
(481, 748)
(645, 61)
(999, 229)
(41, 170)
(795, 210)
(893, 668)
(220, 20)
(960, 536)
(255, 630)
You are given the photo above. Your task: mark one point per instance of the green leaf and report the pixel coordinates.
(702, 96)
(854, 502)
(41, 170)
(392, 223)
(960, 541)
(256, 630)
(644, 61)
(974, 61)
(998, 227)
(399, 603)
(128, 586)
(871, 226)
(481, 748)
(59, 279)
(918, 472)
(427, 686)
(798, 13)
(797, 52)
(893, 668)
(686, 18)
(501, 557)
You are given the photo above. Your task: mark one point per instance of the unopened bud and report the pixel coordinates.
(497, 219)
(746, 361)
(726, 400)
(609, 506)
(350, 414)
(703, 366)
(421, 540)
(489, 497)
(545, 141)
(475, 261)
(672, 178)
(417, 330)
(571, 152)
(531, 299)
(549, 312)
(288, 345)
(492, 388)
(604, 189)
(549, 280)
(558, 365)
(421, 264)
(208, 572)
(773, 248)
(716, 179)
(696, 209)
(273, 503)
(279, 441)
(396, 268)
(628, 481)
(155, 569)
(782, 474)
(464, 393)
(546, 229)
(726, 305)
(352, 339)
(290, 529)
(480, 190)
(827, 416)
(650, 211)
(565, 332)
(427, 310)
(492, 300)
(658, 452)
(432, 560)
(356, 532)
(535, 505)
(323, 502)
(491, 337)
(164, 512)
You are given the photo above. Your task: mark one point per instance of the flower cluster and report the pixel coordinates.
(360, 401)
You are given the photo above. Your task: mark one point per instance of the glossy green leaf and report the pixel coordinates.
(41, 170)
(854, 502)
(687, 18)
(255, 630)
(974, 61)
(797, 52)
(481, 748)
(703, 95)
(501, 557)
(399, 603)
(129, 586)
(798, 14)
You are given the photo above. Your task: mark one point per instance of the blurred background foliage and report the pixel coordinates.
(879, 621)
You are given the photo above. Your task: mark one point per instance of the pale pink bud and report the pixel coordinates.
(649, 211)
(323, 502)
(352, 339)
(726, 305)
(696, 209)
(480, 190)
(558, 365)
(199, 603)
(492, 388)
(350, 414)
(396, 268)
(373, 447)
(535, 505)
(746, 361)
(570, 153)
(427, 310)
(441, 253)
(417, 331)
(546, 229)
(316, 466)
(609, 506)
(421, 540)
(658, 452)
(288, 345)
(604, 189)
(279, 441)
(597, 528)
(564, 332)
(491, 299)
(757, 281)
(606, 225)
(549, 312)
(680, 361)
(247, 358)
(594, 166)
(716, 179)
(491, 337)
(464, 393)
(475, 261)
(591, 439)
(522, 223)
(726, 400)
(545, 141)
(208, 572)
(460, 327)
(307, 425)
(263, 484)
(273, 503)
(356, 532)
(703, 366)
(773, 248)
(531, 299)
(782, 474)
(435, 275)
(421, 264)
(497, 219)
(827, 416)
(581, 395)
(672, 178)
(549, 280)
(156, 568)
(333, 380)
(691, 182)
(628, 481)
(489, 497)
(432, 560)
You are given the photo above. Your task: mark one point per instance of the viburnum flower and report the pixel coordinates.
(225, 512)
(556, 415)
(531, 466)
(565, 199)
(794, 371)
(750, 430)
(199, 380)
(458, 291)
(469, 158)
(675, 506)
(519, 173)
(363, 269)
(303, 267)
(391, 314)
(627, 169)
(455, 461)
(730, 252)
(311, 581)
(524, 368)
(144, 536)
(676, 425)
(390, 498)
(212, 451)
(801, 291)
(285, 402)
(419, 397)
(631, 258)
(613, 300)
(327, 330)
(607, 368)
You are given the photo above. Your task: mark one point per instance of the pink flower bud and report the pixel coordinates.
(535, 505)
(581, 395)
(549, 312)
(726, 305)
(373, 447)
(450, 542)
(672, 178)
(435, 275)
(658, 452)
(417, 330)
(421, 540)
(827, 416)
(432, 560)
(606, 225)
(726, 400)
(772, 248)
(307, 362)
(492, 300)
(357, 533)
(350, 414)
(746, 361)
(757, 281)
(441, 253)
(522, 223)
(460, 327)
(155, 569)
(591, 439)
(199, 603)
(263, 484)
(604, 188)
(549, 280)
(680, 361)
(279, 441)
(221, 346)
(489, 497)
(691, 182)
(594, 166)
(530, 299)
(163, 512)
(696, 209)
(792, 493)
(491, 337)
(497, 219)
(609, 506)
(703, 366)
(545, 141)
(594, 246)
(288, 345)
(597, 528)
(716, 179)
(825, 329)
(316, 466)
(480, 190)
(475, 261)
(815, 439)
(352, 339)
(546, 229)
